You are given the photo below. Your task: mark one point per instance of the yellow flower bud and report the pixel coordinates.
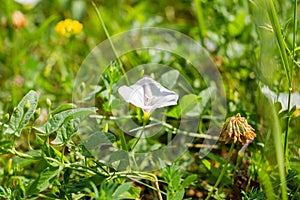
(105, 128)
(27, 106)
(37, 113)
(48, 102)
(6, 117)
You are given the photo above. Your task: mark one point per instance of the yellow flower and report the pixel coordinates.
(68, 27)
(237, 129)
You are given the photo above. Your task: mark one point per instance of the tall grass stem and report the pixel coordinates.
(201, 25)
(109, 40)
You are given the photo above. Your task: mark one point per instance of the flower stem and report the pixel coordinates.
(290, 84)
(145, 120)
(141, 134)
(222, 172)
(287, 124)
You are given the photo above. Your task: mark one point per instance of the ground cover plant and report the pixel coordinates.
(131, 99)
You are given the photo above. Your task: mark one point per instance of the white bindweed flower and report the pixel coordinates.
(29, 3)
(148, 95)
(282, 98)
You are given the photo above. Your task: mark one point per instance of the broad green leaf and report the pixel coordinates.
(132, 193)
(44, 180)
(63, 107)
(176, 180)
(119, 160)
(169, 79)
(65, 133)
(121, 190)
(188, 105)
(22, 113)
(59, 119)
(179, 195)
(189, 180)
(98, 139)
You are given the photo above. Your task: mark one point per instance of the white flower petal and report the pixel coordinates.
(129, 93)
(27, 2)
(148, 95)
(282, 98)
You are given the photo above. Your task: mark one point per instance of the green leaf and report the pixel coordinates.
(237, 26)
(65, 133)
(179, 195)
(121, 190)
(63, 107)
(132, 193)
(119, 160)
(188, 180)
(5, 145)
(188, 105)
(59, 119)
(169, 79)
(98, 139)
(176, 180)
(44, 180)
(22, 113)
(23, 162)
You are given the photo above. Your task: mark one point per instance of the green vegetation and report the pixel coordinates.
(58, 124)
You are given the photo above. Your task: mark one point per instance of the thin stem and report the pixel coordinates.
(142, 183)
(28, 137)
(63, 153)
(178, 131)
(157, 187)
(287, 124)
(290, 85)
(294, 28)
(136, 142)
(109, 40)
(145, 175)
(222, 172)
(141, 134)
(173, 129)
